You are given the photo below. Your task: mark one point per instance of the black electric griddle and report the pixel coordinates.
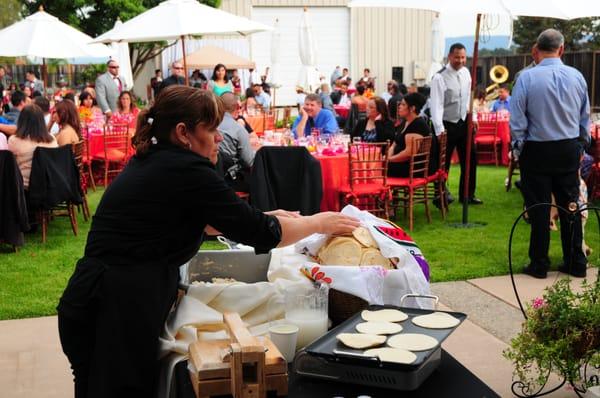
(328, 358)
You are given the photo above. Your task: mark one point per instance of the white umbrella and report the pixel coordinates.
(563, 9)
(438, 46)
(275, 53)
(274, 73)
(121, 55)
(45, 36)
(176, 19)
(309, 76)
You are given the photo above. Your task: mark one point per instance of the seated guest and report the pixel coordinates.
(340, 96)
(219, 82)
(8, 122)
(263, 99)
(412, 127)
(503, 101)
(312, 115)
(359, 98)
(235, 152)
(127, 111)
(395, 100)
(44, 105)
(31, 133)
(480, 105)
(392, 88)
(250, 106)
(326, 97)
(377, 127)
(67, 118)
(88, 109)
(300, 97)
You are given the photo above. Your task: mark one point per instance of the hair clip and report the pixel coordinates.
(154, 140)
(150, 120)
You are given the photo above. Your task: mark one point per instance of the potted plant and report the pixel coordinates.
(561, 335)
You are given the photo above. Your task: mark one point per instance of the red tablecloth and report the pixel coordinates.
(95, 141)
(256, 122)
(342, 110)
(335, 173)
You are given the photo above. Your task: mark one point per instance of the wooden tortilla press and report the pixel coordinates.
(243, 366)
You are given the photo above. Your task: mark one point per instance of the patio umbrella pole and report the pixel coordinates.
(468, 165)
(45, 75)
(187, 82)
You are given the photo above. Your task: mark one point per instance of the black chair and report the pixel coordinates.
(54, 187)
(286, 178)
(13, 209)
(353, 117)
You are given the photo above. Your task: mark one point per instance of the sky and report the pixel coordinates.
(464, 25)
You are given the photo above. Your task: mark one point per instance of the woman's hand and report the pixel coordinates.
(332, 223)
(284, 213)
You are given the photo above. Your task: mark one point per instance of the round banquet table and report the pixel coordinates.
(335, 173)
(256, 122)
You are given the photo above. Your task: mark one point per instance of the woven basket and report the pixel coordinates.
(343, 305)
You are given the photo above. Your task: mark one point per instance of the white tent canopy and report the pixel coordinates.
(45, 36)
(172, 19)
(121, 55)
(309, 76)
(437, 47)
(209, 56)
(561, 9)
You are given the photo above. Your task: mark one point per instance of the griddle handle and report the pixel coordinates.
(353, 355)
(429, 296)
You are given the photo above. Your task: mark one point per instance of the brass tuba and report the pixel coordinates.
(499, 75)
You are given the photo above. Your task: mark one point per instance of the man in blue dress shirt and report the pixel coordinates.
(550, 118)
(312, 115)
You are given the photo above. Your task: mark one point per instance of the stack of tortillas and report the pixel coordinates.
(358, 249)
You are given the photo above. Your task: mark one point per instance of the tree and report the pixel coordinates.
(95, 17)
(9, 12)
(580, 34)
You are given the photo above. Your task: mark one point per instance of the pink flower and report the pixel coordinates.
(538, 303)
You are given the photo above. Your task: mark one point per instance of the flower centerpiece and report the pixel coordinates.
(561, 335)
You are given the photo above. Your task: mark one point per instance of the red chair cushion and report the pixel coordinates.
(487, 139)
(112, 155)
(405, 182)
(363, 189)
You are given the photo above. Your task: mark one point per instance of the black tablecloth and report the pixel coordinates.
(451, 380)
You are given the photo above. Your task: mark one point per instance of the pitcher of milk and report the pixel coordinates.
(307, 309)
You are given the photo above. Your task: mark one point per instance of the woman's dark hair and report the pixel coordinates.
(360, 89)
(250, 93)
(217, 67)
(131, 97)
(67, 114)
(85, 95)
(480, 94)
(415, 99)
(43, 103)
(31, 125)
(381, 107)
(176, 104)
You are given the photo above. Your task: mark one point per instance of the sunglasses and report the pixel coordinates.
(178, 68)
(113, 67)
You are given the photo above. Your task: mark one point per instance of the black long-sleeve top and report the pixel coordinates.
(157, 208)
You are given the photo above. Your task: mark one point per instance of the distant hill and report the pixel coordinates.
(491, 42)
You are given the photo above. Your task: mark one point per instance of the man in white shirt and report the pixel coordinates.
(450, 95)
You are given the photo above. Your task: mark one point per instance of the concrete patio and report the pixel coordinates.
(33, 365)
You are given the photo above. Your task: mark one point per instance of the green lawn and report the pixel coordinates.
(32, 280)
